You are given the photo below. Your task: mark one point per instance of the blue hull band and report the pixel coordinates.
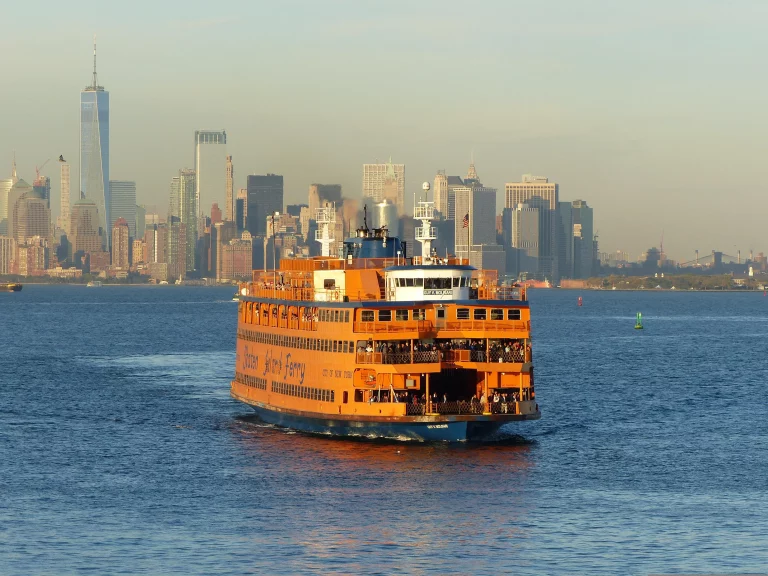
(458, 431)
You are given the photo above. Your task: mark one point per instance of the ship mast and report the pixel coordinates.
(425, 211)
(326, 220)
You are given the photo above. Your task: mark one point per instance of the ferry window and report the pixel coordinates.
(359, 396)
(345, 396)
(420, 314)
(346, 316)
(456, 282)
(329, 283)
(419, 282)
(440, 313)
(430, 283)
(462, 314)
(464, 283)
(513, 314)
(366, 316)
(401, 315)
(335, 349)
(385, 315)
(337, 316)
(409, 282)
(345, 350)
(339, 348)
(351, 346)
(480, 314)
(497, 314)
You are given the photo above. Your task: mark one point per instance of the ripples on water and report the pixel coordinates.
(122, 452)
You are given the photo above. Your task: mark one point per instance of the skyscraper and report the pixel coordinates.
(230, 214)
(84, 228)
(43, 185)
(123, 203)
(444, 194)
(475, 225)
(319, 194)
(385, 182)
(216, 214)
(120, 243)
(210, 169)
(176, 251)
(5, 188)
(583, 236)
(94, 149)
(265, 197)
(183, 206)
(65, 201)
(141, 221)
(565, 240)
(174, 203)
(538, 192)
(28, 213)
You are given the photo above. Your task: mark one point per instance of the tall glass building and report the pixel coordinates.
(94, 150)
(122, 204)
(183, 206)
(210, 170)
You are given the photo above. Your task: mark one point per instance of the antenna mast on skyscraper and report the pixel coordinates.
(95, 83)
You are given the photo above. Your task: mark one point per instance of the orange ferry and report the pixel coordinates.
(372, 344)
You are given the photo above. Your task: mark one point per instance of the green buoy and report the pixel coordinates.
(639, 322)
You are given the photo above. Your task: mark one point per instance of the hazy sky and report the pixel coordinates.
(654, 112)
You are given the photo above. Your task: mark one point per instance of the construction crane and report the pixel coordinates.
(37, 170)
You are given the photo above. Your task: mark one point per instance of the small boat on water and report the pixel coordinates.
(10, 287)
(94, 284)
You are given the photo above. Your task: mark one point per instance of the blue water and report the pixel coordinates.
(121, 451)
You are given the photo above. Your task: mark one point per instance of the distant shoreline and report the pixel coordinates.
(592, 289)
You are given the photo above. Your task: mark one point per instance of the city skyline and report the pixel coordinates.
(652, 153)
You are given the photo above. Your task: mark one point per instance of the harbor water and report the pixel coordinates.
(123, 453)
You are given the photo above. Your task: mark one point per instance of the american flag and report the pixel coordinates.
(465, 222)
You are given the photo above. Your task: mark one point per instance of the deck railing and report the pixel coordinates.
(462, 407)
(301, 289)
(420, 326)
(511, 357)
(467, 325)
(482, 356)
(398, 357)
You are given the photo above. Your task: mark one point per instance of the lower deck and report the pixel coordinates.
(457, 428)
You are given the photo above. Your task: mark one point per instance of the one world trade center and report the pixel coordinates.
(94, 150)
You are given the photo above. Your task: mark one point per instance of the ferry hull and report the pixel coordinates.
(446, 430)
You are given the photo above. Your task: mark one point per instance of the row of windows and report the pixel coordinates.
(432, 283)
(252, 381)
(303, 392)
(482, 314)
(298, 342)
(461, 314)
(401, 315)
(334, 315)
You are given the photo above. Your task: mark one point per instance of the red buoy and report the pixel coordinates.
(579, 300)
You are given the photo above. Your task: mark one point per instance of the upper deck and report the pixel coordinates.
(378, 281)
